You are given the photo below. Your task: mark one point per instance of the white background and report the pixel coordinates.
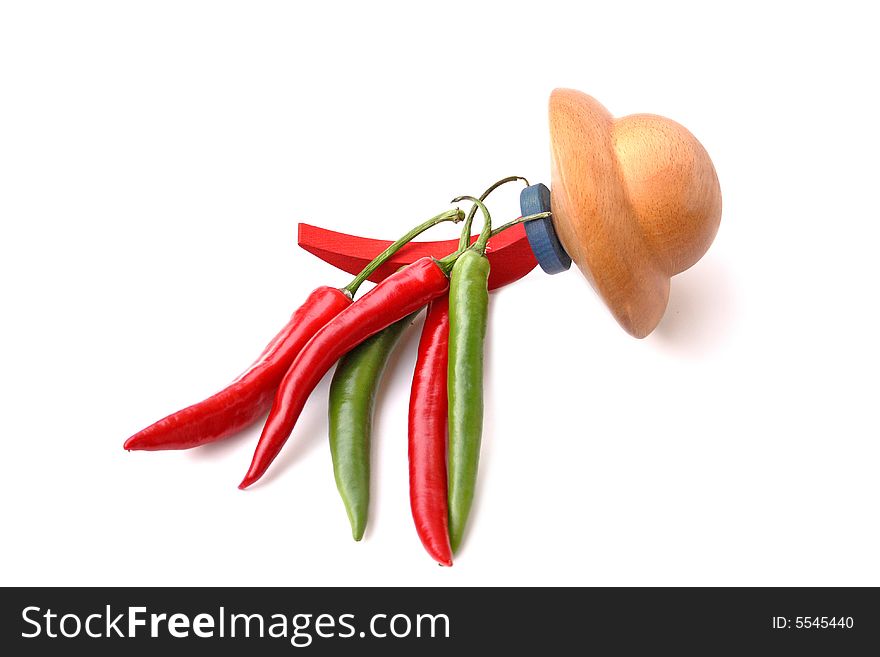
(155, 159)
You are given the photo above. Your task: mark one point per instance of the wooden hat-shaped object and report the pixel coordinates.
(635, 201)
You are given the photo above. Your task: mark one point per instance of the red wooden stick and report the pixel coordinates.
(509, 252)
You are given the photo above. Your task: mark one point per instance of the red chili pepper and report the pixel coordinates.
(427, 435)
(391, 300)
(250, 395)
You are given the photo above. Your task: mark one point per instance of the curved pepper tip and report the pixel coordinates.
(358, 524)
(253, 475)
(443, 556)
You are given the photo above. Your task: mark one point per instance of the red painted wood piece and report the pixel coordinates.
(509, 252)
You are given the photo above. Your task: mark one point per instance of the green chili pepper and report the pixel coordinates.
(468, 311)
(352, 397)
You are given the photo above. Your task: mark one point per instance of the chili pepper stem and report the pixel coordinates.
(454, 216)
(466, 231)
(486, 233)
(448, 262)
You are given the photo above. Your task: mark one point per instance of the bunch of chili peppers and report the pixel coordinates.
(446, 400)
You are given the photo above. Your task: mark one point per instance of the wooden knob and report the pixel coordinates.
(635, 201)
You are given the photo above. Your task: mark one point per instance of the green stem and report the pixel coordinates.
(486, 233)
(465, 240)
(447, 263)
(454, 216)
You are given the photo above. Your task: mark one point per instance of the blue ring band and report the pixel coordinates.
(542, 236)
